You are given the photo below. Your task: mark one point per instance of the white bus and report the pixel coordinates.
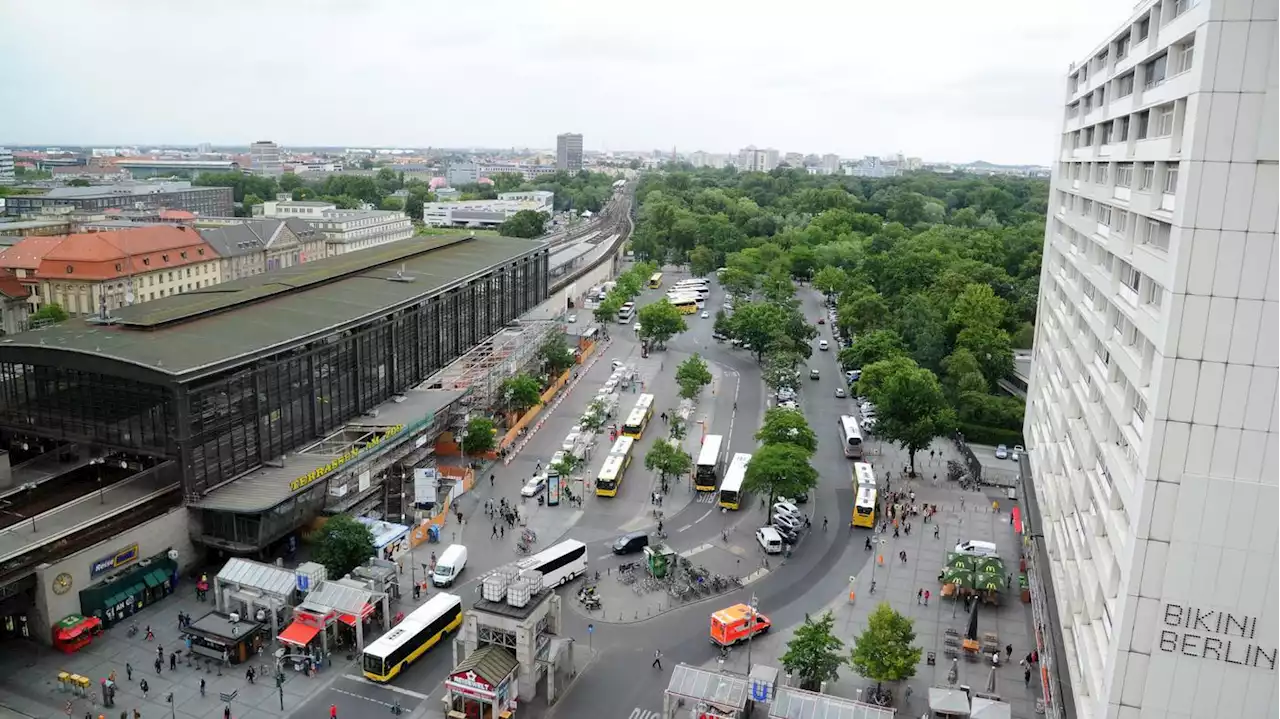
(412, 637)
(693, 282)
(626, 312)
(558, 564)
(734, 476)
(707, 472)
(863, 475)
(851, 436)
(622, 446)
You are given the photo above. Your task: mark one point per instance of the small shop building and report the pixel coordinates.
(484, 685)
(226, 638)
(128, 585)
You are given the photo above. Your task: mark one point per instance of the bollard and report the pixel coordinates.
(880, 559)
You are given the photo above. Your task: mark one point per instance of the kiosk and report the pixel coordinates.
(226, 638)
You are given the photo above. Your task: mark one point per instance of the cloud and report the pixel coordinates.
(937, 79)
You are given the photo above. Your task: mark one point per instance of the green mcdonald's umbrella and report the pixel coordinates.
(988, 581)
(990, 564)
(956, 560)
(960, 576)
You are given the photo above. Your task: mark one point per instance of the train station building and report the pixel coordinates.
(256, 404)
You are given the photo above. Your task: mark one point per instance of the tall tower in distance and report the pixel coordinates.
(569, 151)
(264, 158)
(1151, 418)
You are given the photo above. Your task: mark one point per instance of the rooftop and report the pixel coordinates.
(202, 331)
(28, 254)
(123, 189)
(242, 238)
(112, 254)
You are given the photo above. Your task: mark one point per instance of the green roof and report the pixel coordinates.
(205, 330)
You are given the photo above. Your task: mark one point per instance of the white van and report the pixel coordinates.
(977, 548)
(769, 540)
(822, 345)
(450, 564)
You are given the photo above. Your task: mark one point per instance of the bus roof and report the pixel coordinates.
(622, 446)
(636, 418)
(548, 554)
(866, 497)
(435, 608)
(864, 474)
(644, 402)
(737, 472)
(612, 466)
(710, 452)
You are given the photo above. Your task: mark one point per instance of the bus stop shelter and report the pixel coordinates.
(710, 695)
(246, 586)
(796, 703)
(334, 598)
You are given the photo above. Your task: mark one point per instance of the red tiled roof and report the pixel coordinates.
(27, 254)
(177, 215)
(12, 288)
(111, 254)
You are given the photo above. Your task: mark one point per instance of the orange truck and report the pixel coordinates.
(734, 624)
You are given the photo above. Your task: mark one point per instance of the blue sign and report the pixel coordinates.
(591, 629)
(760, 690)
(303, 582)
(115, 561)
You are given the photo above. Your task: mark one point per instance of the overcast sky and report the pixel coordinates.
(939, 79)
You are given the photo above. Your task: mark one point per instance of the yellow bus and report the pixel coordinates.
(864, 508)
(734, 476)
(655, 280)
(610, 477)
(864, 475)
(687, 304)
(622, 447)
(706, 473)
(639, 417)
(412, 637)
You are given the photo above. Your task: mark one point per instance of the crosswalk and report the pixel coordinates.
(639, 713)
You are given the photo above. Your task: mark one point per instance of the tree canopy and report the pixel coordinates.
(667, 460)
(342, 545)
(814, 654)
(521, 392)
(692, 375)
(912, 408)
(787, 426)
(525, 223)
(659, 322)
(885, 651)
(945, 262)
(556, 355)
(780, 470)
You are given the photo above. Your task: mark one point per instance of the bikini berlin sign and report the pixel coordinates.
(1214, 635)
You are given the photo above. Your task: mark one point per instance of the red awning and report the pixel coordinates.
(350, 621)
(1017, 521)
(299, 634)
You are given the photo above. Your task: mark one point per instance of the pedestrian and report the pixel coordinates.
(920, 596)
(333, 711)
(226, 711)
(895, 530)
(1008, 650)
(491, 481)
(158, 664)
(1026, 676)
(926, 597)
(201, 686)
(150, 635)
(935, 531)
(995, 659)
(143, 687)
(138, 715)
(160, 652)
(494, 533)
(1008, 581)
(657, 659)
(128, 670)
(173, 661)
(502, 531)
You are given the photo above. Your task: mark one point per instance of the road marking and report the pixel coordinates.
(388, 687)
(755, 576)
(687, 526)
(705, 498)
(708, 512)
(639, 713)
(696, 550)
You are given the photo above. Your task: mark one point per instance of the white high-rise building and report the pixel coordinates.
(569, 151)
(1152, 412)
(7, 176)
(264, 158)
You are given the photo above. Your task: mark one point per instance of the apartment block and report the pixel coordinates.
(1152, 414)
(569, 151)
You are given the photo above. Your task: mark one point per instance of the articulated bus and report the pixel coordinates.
(610, 477)
(622, 447)
(731, 487)
(864, 508)
(639, 417)
(412, 637)
(558, 564)
(864, 476)
(706, 473)
(655, 280)
(626, 312)
(687, 304)
(851, 436)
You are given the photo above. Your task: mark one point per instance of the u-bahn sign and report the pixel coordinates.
(115, 561)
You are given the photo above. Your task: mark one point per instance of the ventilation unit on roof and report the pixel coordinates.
(400, 276)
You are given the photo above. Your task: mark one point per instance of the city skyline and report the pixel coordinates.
(992, 72)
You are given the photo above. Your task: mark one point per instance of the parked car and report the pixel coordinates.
(770, 540)
(1017, 452)
(1002, 452)
(573, 318)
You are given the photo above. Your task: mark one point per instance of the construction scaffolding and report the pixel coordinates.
(481, 371)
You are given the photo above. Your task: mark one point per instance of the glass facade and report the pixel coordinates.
(221, 426)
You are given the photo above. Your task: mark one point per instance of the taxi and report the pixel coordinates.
(734, 624)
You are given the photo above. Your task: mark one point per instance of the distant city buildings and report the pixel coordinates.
(462, 173)
(830, 164)
(872, 166)
(259, 245)
(486, 213)
(528, 172)
(753, 159)
(345, 230)
(144, 167)
(215, 201)
(569, 151)
(7, 176)
(264, 159)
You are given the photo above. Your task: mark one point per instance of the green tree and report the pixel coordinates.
(962, 373)
(1025, 337)
(722, 325)
(871, 348)
(525, 223)
(595, 416)
(413, 205)
(394, 204)
(702, 261)
(912, 409)
(991, 347)
(830, 280)
(780, 370)
(758, 324)
(862, 312)
(607, 310)
(885, 651)
(77, 182)
(692, 375)
(250, 201)
(481, 436)
(667, 460)
(814, 654)
(566, 465)
(780, 470)
(737, 282)
(51, 313)
(787, 426)
(660, 322)
(290, 182)
(978, 307)
(521, 392)
(342, 545)
(556, 356)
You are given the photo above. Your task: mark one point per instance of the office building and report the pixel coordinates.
(462, 173)
(753, 159)
(479, 213)
(1151, 422)
(145, 167)
(172, 195)
(90, 272)
(255, 246)
(569, 151)
(264, 158)
(830, 164)
(543, 200)
(528, 172)
(7, 176)
(345, 230)
(871, 166)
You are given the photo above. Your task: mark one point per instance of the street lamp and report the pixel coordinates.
(754, 604)
(96, 463)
